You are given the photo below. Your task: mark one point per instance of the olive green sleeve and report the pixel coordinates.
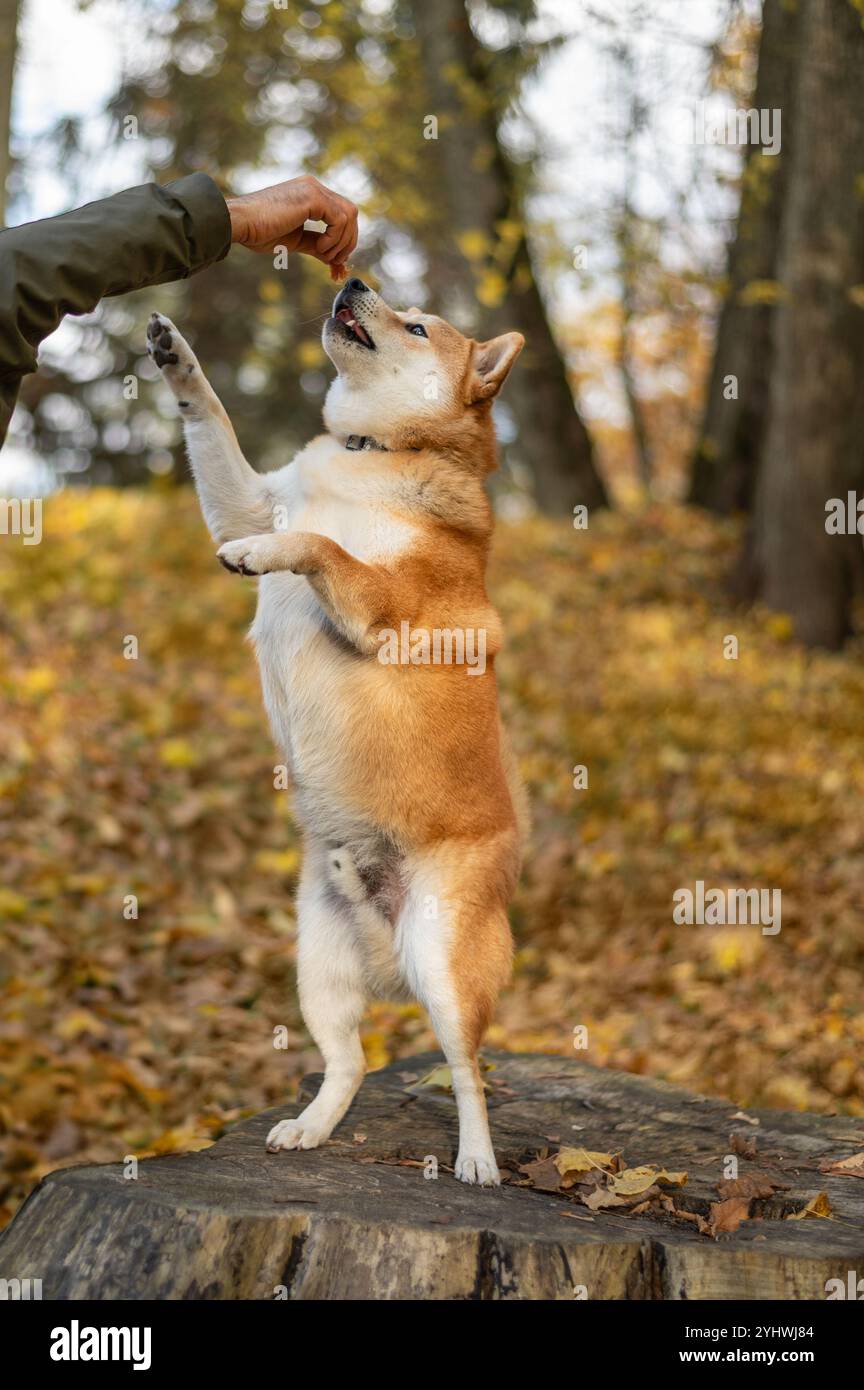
(65, 265)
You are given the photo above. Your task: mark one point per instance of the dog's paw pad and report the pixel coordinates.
(166, 346)
(481, 1171)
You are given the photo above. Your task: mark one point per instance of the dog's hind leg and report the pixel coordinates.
(332, 998)
(456, 954)
(234, 498)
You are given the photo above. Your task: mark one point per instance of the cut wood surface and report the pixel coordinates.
(358, 1218)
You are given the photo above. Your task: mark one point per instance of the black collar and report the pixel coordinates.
(364, 441)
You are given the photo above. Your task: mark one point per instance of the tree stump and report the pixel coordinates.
(358, 1218)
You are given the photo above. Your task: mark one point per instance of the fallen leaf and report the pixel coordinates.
(543, 1174)
(603, 1197)
(633, 1181)
(818, 1206)
(571, 1162)
(438, 1079)
(743, 1144)
(728, 1215)
(852, 1167)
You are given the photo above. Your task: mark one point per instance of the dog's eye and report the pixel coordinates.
(417, 329)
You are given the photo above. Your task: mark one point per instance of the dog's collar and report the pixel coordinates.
(364, 441)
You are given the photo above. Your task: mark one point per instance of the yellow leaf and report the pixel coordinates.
(39, 680)
(818, 1206)
(184, 1139)
(780, 626)
(438, 1079)
(734, 949)
(12, 904)
(491, 289)
(177, 752)
(473, 243)
(309, 354)
(277, 861)
(569, 1161)
(635, 1180)
(762, 292)
(89, 884)
(77, 1023)
(270, 290)
(376, 1051)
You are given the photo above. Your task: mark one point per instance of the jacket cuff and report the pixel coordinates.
(208, 224)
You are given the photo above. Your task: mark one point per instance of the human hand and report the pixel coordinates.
(274, 217)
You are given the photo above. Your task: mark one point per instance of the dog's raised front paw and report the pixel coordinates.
(250, 555)
(480, 1170)
(176, 361)
(160, 341)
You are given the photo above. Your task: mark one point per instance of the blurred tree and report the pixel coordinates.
(791, 331)
(628, 232)
(812, 448)
(9, 16)
(480, 259)
(232, 86)
(733, 425)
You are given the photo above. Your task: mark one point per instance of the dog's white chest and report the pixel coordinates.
(304, 665)
(327, 491)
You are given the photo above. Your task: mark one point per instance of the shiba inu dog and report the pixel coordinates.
(405, 789)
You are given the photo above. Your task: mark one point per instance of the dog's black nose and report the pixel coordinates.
(355, 284)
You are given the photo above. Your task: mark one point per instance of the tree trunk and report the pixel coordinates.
(733, 429)
(629, 268)
(9, 14)
(377, 1214)
(484, 262)
(813, 448)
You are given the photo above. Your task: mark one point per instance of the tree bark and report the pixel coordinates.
(733, 430)
(484, 246)
(9, 14)
(813, 447)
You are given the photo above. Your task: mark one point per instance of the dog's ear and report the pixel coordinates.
(491, 364)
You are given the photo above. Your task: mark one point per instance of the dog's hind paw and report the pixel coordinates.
(482, 1171)
(295, 1134)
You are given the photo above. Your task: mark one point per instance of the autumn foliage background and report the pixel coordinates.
(154, 777)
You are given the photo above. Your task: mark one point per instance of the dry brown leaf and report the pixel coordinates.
(542, 1174)
(743, 1144)
(603, 1198)
(852, 1167)
(728, 1215)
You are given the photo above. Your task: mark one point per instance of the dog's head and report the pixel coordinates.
(407, 379)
